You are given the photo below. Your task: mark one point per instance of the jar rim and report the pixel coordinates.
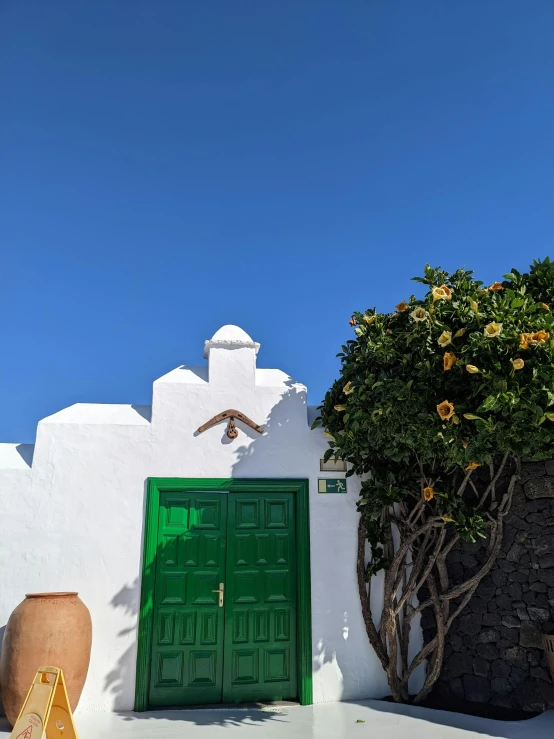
(49, 595)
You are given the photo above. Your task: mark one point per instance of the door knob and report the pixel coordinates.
(220, 590)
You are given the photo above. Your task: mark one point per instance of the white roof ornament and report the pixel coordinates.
(230, 337)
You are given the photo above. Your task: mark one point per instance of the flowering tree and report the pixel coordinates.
(435, 407)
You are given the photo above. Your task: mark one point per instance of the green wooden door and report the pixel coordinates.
(260, 599)
(187, 644)
(244, 650)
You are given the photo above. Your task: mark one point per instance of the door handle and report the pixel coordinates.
(220, 590)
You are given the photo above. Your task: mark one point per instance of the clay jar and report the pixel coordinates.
(45, 630)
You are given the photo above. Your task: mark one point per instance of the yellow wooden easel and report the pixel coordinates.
(46, 709)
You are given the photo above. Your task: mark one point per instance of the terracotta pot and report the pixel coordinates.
(548, 646)
(46, 629)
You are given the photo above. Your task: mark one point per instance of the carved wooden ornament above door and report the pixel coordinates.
(231, 414)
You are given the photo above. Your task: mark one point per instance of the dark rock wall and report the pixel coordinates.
(493, 653)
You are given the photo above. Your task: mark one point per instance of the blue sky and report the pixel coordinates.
(168, 167)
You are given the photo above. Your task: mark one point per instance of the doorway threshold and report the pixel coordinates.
(267, 706)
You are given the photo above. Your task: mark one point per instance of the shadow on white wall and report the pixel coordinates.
(334, 648)
(341, 653)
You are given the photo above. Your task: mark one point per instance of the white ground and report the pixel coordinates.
(322, 721)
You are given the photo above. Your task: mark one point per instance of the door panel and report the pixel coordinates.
(245, 651)
(187, 646)
(260, 599)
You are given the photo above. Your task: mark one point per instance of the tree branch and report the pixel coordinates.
(371, 630)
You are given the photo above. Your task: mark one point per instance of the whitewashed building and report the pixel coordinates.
(213, 568)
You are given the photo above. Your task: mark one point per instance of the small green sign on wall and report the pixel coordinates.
(331, 485)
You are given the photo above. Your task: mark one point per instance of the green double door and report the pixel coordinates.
(225, 599)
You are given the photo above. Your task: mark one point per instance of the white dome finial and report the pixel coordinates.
(230, 337)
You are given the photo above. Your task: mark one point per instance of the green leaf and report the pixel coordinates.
(491, 403)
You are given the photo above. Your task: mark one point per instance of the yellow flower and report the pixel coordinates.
(459, 332)
(347, 389)
(445, 410)
(472, 369)
(445, 338)
(369, 319)
(449, 360)
(472, 466)
(545, 306)
(353, 321)
(496, 287)
(492, 329)
(428, 494)
(447, 519)
(340, 408)
(388, 331)
(419, 314)
(518, 363)
(474, 306)
(539, 337)
(328, 435)
(360, 330)
(441, 293)
(524, 340)
(402, 307)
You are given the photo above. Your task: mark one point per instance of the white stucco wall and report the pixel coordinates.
(72, 510)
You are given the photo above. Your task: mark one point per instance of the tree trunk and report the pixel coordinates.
(419, 562)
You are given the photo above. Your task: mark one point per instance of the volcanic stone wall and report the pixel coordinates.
(493, 652)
